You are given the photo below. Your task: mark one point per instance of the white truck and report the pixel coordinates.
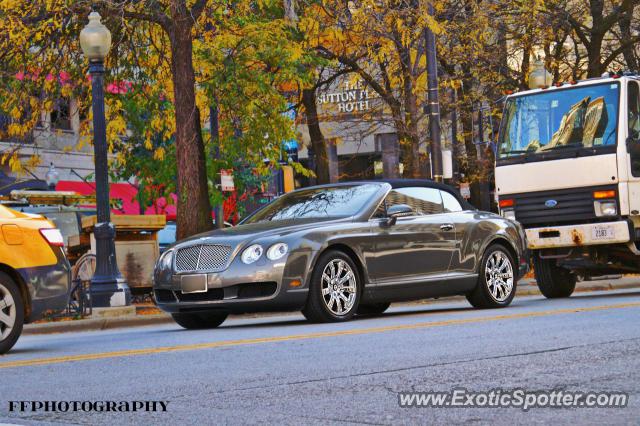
(568, 169)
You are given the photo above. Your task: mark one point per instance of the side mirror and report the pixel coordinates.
(632, 141)
(396, 211)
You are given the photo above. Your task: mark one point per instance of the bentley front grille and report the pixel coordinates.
(203, 257)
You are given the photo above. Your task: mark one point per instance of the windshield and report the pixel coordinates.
(317, 204)
(550, 121)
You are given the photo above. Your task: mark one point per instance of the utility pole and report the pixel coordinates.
(434, 104)
(214, 126)
(455, 151)
(485, 195)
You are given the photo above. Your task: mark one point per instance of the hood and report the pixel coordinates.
(252, 231)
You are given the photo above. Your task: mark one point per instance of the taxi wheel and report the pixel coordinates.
(199, 321)
(11, 313)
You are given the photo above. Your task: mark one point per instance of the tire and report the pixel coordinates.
(346, 298)
(373, 308)
(199, 321)
(554, 282)
(497, 280)
(12, 313)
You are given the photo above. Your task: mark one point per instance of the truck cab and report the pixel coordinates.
(568, 169)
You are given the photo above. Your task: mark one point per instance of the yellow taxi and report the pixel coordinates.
(34, 272)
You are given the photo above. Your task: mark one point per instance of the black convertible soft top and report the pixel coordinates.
(426, 183)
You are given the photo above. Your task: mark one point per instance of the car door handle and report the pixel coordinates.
(446, 227)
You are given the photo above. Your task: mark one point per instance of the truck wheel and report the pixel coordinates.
(199, 321)
(11, 313)
(553, 281)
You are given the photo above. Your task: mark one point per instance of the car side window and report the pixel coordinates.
(423, 201)
(451, 204)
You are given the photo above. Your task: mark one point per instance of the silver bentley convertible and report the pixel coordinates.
(334, 251)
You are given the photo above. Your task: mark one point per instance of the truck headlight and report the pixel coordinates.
(508, 214)
(606, 208)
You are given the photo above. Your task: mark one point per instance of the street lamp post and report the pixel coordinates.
(108, 287)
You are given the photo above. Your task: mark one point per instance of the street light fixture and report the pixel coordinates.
(539, 77)
(52, 177)
(108, 287)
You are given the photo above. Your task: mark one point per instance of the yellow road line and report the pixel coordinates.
(241, 342)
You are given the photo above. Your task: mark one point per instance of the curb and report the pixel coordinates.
(96, 324)
(580, 288)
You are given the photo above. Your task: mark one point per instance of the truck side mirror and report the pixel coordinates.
(633, 140)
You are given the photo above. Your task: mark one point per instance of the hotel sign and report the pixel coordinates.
(353, 98)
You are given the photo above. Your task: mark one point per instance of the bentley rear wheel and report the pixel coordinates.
(199, 321)
(335, 289)
(11, 313)
(497, 280)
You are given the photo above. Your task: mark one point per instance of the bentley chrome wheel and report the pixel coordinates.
(499, 276)
(339, 287)
(7, 312)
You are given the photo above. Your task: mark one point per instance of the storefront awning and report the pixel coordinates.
(126, 193)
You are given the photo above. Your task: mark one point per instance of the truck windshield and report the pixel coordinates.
(583, 116)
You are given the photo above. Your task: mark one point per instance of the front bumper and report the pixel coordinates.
(263, 286)
(578, 235)
(48, 286)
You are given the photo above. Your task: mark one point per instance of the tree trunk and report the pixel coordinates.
(625, 31)
(597, 32)
(594, 55)
(194, 208)
(410, 142)
(318, 142)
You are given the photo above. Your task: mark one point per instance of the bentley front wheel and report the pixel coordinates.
(335, 289)
(199, 321)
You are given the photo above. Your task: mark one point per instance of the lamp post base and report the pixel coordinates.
(105, 294)
(108, 287)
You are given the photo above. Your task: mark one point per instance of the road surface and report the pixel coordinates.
(283, 370)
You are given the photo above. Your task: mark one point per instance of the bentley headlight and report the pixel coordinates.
(166, 260)
(164, 266)
(277, 251)
(251, 254)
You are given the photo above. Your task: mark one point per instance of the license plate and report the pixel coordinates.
(603, 233)
(193, 283)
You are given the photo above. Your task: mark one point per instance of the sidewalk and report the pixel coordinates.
(526, 287)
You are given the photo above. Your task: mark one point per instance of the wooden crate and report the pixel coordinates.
(136, 246)
(129, 222)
